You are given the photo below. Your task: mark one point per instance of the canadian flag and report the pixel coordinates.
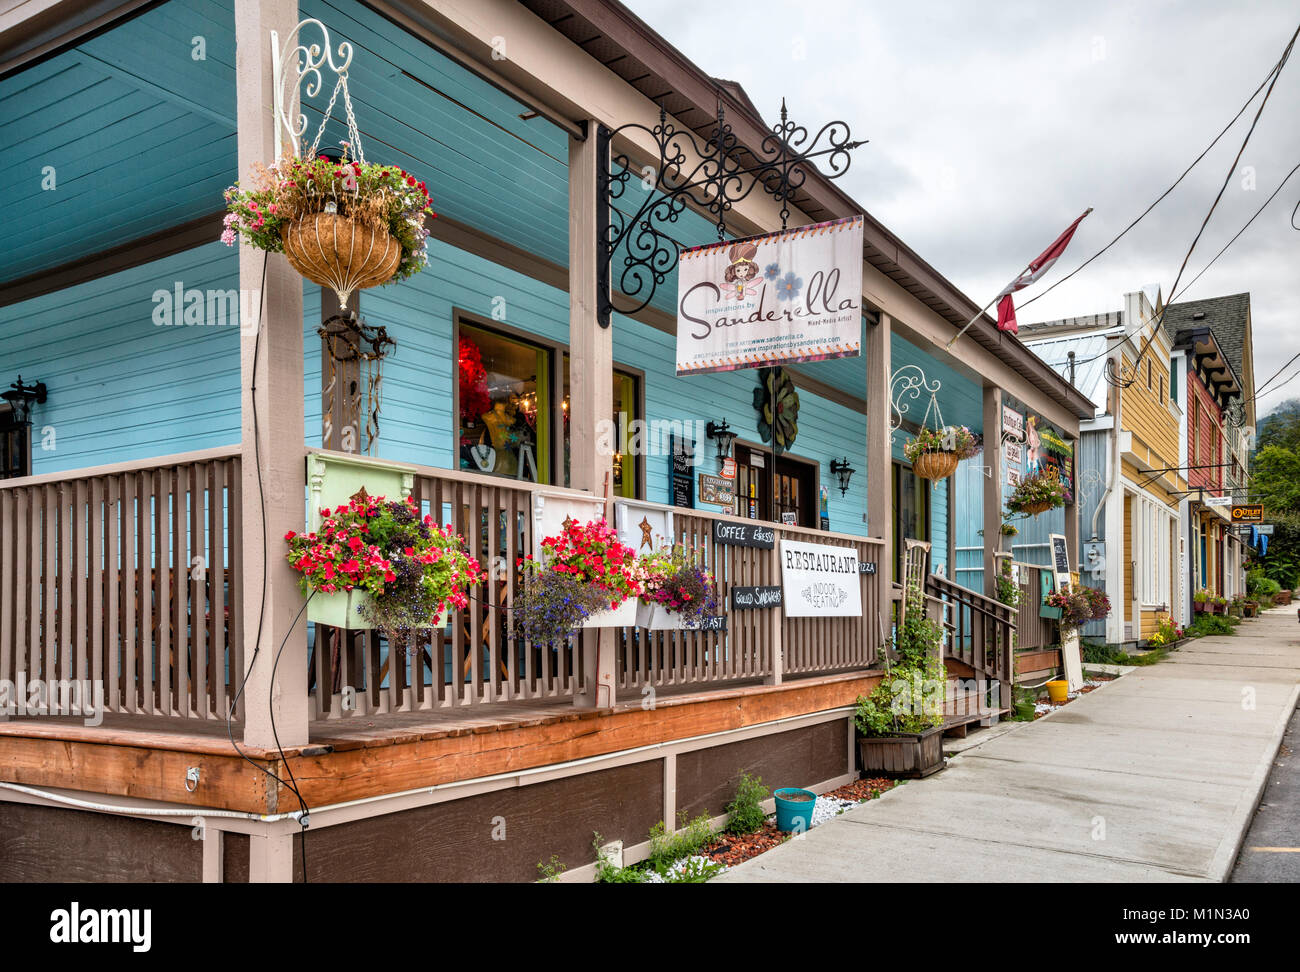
(1035, 270)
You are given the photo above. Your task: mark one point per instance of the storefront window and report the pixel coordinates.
(504, 404)
(911, 511)
(626, 411)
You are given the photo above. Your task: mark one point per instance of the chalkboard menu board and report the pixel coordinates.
(744, 534)
(1060, 555)
(746, 598)
(682, 473)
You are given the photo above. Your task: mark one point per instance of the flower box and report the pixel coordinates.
(623, 616)
(342, 610)
(1200, 607)
(908, 754)
(656, 617)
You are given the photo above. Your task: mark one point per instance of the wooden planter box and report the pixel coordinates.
(1250, 609)
(1282, 597)
(909, 754)
(1201, 607)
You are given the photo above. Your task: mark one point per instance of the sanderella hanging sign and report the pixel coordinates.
(795, 295)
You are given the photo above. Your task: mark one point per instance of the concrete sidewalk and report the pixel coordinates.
(1153, 777)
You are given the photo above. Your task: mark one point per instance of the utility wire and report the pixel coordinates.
(1241, 111)
(1239, 232)
(1274, 75)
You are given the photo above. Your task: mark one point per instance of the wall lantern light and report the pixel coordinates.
(842, 472)
(21, 398)
(721, 433)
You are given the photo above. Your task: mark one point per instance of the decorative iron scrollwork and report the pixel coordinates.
(711, 175)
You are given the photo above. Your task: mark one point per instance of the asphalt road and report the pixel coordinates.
(1271, 852)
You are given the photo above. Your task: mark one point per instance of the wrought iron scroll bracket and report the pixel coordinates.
(303, 63)
(636, 206)
(907, 382)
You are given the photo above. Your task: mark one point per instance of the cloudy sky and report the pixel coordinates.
(992, 125)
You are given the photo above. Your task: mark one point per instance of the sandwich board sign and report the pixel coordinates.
(1070, 654)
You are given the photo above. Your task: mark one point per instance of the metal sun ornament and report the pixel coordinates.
(710, 174)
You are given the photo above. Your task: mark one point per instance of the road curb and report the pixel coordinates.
(1225, 856)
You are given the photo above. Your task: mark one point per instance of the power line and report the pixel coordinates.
(1239, 232)
(1110, 364)
(1241, 111)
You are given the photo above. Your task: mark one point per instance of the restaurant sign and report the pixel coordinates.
(794, 295)
(820, 580)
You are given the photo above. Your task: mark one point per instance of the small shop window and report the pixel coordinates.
(504, 403)
(627, 409)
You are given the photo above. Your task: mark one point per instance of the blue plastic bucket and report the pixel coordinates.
(794, 815)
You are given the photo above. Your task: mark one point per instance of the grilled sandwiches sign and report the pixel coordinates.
(789, 296)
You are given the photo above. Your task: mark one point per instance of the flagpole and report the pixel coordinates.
(985, 308)
(1011, 287)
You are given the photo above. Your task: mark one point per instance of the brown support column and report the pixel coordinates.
(274, 454)
(880, 498)
(591, 385)
(992, 486)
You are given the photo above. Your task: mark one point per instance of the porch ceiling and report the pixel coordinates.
(127, 133)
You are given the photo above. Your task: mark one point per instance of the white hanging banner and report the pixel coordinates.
(794, 295)
(820, 580)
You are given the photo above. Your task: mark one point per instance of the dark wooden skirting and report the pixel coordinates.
(155, 246)
(346, 762)
(707, 778)
(499, 836)
(45, 844)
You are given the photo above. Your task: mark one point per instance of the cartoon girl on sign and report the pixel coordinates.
(742, 268)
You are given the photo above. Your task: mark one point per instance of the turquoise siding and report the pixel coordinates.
(120, 386)
(418, 425)
(138, 135)
(939, 526)
(969, 483)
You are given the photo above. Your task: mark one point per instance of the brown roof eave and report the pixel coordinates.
(620, 26)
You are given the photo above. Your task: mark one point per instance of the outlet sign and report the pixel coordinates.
(1248, 513)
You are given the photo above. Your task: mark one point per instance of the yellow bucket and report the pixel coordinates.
(1058, 690)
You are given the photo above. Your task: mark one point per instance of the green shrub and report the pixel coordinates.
(666, 847)
(745, 813)
(1211, 624)
(1101, 653)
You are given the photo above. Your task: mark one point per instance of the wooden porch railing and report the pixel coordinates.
(1033, 630)
(127, 574)
(979, 629)
(474, 660)
(130, 575)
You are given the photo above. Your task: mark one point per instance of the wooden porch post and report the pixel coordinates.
(274, 454)
(992, 486)
(880, 496)
(591, 384)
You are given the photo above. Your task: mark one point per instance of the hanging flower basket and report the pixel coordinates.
(1036, 494)
(346, 224)
(935, 465)
(343, 254)
(935, 453)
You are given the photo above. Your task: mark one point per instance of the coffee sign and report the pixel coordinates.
(820, 580)
(793, 295)
(744, 535)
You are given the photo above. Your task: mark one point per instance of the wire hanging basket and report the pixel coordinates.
(340, 252)
(935, 465)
